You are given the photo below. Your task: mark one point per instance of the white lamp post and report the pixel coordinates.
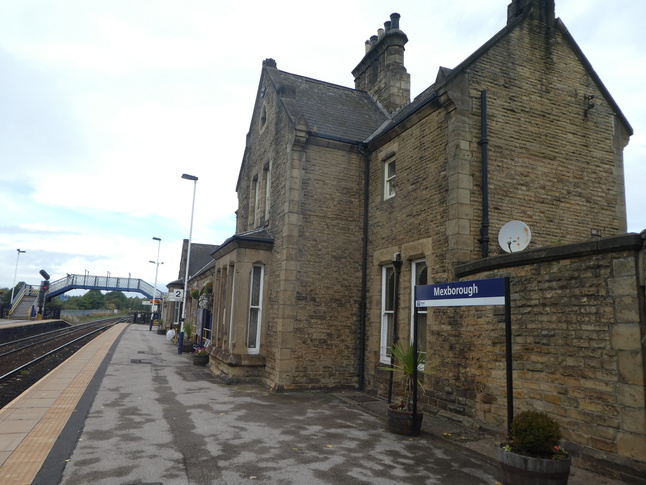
(180, 340)
(15, 274)
(157, 263)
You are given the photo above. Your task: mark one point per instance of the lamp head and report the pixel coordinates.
(157, 239)
(189, 177)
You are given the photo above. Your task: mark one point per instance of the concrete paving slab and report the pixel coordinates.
(151, 417)
(162, 421)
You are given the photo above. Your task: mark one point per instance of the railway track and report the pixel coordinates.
(25, 361)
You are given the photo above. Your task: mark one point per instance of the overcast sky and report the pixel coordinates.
(105, 103)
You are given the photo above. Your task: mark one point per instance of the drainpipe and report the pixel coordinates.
(397, 263)
(364, 269)
(484, 146)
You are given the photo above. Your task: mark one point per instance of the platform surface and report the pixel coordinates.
(128, 409)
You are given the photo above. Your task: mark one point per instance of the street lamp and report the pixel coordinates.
(152, 314)
(180, 340)
(15, 273)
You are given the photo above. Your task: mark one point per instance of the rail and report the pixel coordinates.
(58, 349)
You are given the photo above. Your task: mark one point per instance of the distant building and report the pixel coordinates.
(199, 272)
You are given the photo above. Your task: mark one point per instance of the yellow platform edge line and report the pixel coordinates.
(24, 463)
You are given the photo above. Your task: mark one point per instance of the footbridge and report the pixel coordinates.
(25, 300)
(107, 283)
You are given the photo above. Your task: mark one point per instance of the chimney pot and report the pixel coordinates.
(373, 40)
(394, 21)
(367, 46)
(387, 25)
(380, 33)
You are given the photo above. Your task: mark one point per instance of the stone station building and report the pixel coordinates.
(348, 198)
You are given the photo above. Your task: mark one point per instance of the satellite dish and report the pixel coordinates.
(514, 236)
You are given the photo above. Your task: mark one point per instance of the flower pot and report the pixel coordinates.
(200, 359)
(401, 422)
(161, 331)
(526, 470)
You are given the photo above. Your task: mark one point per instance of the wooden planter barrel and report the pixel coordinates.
(401, 422)
(526, 470)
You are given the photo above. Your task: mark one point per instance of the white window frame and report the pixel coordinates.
(177, 314)
(256, 186)
(267, 190)
(387, 315)
(389, 178)
(258, 307)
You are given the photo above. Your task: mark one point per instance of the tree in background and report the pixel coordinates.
(5, 293)
(95, 300)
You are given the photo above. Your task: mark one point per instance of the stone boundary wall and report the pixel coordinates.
(579, 337)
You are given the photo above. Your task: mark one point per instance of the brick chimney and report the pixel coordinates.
(381, 72)
(542, 10)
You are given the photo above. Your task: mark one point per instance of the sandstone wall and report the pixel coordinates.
(578, 319)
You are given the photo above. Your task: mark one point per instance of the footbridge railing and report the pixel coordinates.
(107, 283)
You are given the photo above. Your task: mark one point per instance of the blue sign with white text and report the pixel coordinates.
(463, 293)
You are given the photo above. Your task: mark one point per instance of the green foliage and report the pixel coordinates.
(95, 300)
(189, 330)
(404, 368)
(534, 433)
(5, 293)
(92, 300)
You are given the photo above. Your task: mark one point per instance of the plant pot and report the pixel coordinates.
(200, 359)
(526, 470)
(161, 331)
(401, 422)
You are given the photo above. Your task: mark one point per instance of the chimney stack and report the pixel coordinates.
(381, 72)
(542, 10)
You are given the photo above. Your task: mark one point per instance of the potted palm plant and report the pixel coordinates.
(189, 334)
(407, 365)
(532, 455)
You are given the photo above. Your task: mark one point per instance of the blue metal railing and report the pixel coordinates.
(108, 283)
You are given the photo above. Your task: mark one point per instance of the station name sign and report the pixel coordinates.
(463, 293)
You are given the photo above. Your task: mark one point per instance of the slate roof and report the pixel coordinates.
(259, 235)
(200, 257)
(335, 111)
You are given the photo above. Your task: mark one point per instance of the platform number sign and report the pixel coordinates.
(177, 295)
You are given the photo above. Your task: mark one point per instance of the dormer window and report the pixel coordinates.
(389, 178)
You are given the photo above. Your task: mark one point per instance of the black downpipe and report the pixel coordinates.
(397, 263)
(484, 146)
(364, 270)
